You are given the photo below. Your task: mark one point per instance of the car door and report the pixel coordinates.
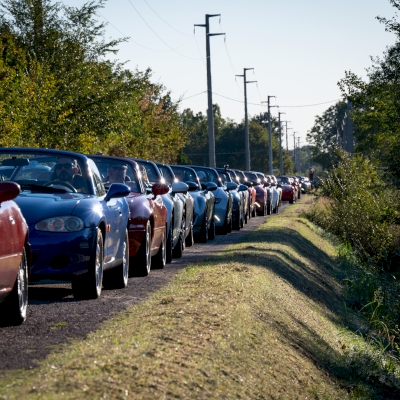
(112, 211)
(11, 245)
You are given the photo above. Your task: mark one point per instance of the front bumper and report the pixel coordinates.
(59, 256)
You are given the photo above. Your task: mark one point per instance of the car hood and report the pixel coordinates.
(38, 206)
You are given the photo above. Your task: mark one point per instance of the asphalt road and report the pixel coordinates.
(54, 316)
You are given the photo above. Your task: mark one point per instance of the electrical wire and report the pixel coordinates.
(174, 50)
(162, 19)
(198, 94)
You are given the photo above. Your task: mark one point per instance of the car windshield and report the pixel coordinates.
(241, 176)
(44, 171)
(167, 174)
(283, 179)
(185, 174)
(224, 176)
(117, 171)
(149, 173)
(208, 176)
(252, 177)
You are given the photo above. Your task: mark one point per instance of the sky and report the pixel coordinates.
(299, 50)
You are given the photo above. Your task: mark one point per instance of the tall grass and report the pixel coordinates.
(359, 207)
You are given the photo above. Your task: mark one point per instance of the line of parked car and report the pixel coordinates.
(95, 220)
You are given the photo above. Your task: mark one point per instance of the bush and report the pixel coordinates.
(362, 210)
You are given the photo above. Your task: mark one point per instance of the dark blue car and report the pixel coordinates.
(77, 230)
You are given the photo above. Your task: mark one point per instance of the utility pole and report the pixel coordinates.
(246, 120)
(210, 114)
(287, 140)
(294, 148)
(269, 134)
(280, 145)
(298, 154)
(286, 122)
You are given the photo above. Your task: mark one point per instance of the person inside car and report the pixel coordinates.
(66, 170)
(117, 173)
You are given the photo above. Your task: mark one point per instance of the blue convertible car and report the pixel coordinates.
(77, 230)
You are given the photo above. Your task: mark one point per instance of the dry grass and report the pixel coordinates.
(263, 320)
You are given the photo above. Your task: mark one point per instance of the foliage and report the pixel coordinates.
(362, 209)
(59, 91)
(376, 104)
(324, 134)
(229, 141)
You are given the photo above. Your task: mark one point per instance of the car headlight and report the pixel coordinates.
(60, 224)
(217, 200)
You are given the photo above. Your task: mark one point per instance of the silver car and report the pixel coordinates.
(150, 175)
(188, 204)
(223, 199)
(203, 217)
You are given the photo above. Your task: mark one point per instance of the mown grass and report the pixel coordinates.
(262, 320)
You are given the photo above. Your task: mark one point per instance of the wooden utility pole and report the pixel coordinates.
(246, 120)
(210, 113)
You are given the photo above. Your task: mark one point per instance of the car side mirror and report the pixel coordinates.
(117, 190)
(179, 187)
(279, 185)
(248, 183)
(192, 186)
(231, 185)
(9, 191)
(267, 184)
(211, 186)
(242, 188)
(159, 189)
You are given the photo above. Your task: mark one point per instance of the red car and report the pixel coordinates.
(289, 192)
(261, 193)
(251, 190)
(147, 228)
(14, 256)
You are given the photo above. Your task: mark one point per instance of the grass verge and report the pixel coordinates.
(264, 319)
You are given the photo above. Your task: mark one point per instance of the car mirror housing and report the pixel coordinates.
(231, 185)
(242, 188)
(179, 187)
(248, 183)
(211, 186)
(8, 191)
(117, 190)
(192, 186)
(159, 189)
(279, 185)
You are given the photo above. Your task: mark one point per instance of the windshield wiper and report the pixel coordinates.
(39, 188)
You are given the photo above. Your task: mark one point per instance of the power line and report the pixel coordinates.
(162, 19)
(192, 58)
(198, 94)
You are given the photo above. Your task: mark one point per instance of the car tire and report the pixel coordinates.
(160, 259)
(89, 285)
(269, 208)
(262, 211)
(177, 252)
(190, 238)
(13, 309)
(246, 216)
(291, 201)
(203, 236)
(230, 223)
(236, 223)
(211, 231)
(169, 243)
(254, 212)
(117, 277)
(142, 260)
(241, 221)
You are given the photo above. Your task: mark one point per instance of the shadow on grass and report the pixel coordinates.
(312, 272)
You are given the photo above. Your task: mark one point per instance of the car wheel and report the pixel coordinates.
(223, 230)
(262, 212)
(89, 285)
(253, 213)
(160, 259)
(246, 216)
(230, 223)
(203, 236)
(13, 309)
(143, 258)
(211, 231)
(190, 238)
(236, 223)
(169, 243)
(178, 249)
(291, 201)
(269, 208)
(241, 220)
(117, 277)
(299, 194)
